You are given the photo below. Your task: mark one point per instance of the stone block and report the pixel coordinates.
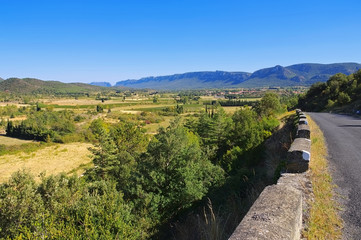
(303, 121)
(303, 131)
(302, 116)
(276, 215)
(299, 156)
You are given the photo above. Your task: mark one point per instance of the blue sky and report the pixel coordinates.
(85, 41)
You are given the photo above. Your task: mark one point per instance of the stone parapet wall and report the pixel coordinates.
(277, 213)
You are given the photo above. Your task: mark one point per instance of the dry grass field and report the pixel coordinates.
(231, 110)
(8, 141)
(90, 101)
(53, 159)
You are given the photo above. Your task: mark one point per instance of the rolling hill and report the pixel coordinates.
(101, 84)
(278, 76)
(36, 86)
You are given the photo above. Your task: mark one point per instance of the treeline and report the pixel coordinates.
(241, 103)
(338, 91)
(43, 126)
(137, 184)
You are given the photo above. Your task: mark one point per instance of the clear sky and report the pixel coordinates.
(104, 40)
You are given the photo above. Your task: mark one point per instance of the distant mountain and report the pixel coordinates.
(36, 86)
(194, 80)
(101, 84)
(278, 76)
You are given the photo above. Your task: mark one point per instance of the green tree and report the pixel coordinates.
(155, 99)
(174, 173)
(248, 131)
(343, 98)
(99, 109)
(115, 155)
(269, 105)
(62, 207)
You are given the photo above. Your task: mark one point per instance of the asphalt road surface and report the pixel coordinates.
(343, 138)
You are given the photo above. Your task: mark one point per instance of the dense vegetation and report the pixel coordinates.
(138, 183)
(338, 91)
(43, 126)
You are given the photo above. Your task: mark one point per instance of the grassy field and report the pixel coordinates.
(231, 109)
(324, 222)
(9, 141)
(153, 127)
(53, 159)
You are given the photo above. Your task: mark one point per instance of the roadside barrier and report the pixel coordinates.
(277, 212)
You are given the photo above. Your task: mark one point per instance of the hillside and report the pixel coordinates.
(295, 75)
(341, 92)
(36, 86)
(101, 84)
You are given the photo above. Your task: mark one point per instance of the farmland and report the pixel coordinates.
(73, 156)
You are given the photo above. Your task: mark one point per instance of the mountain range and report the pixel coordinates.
(295, 75)
(277, 76)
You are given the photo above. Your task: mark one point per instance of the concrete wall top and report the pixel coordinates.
(300, 144)
(276, 215)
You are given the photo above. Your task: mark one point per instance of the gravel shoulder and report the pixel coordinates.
(343, 137)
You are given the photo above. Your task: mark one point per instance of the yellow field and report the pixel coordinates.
(54, 159)
(8, 141)
(90, 101)
(231, 109)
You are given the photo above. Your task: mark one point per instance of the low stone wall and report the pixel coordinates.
(298, 156)
(303, 131)
(277, 213)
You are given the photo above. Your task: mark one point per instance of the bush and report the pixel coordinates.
(64, 207)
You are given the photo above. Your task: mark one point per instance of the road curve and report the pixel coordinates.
(343, 138)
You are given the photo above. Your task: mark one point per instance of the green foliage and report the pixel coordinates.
(138, 182)
(99, 109)
(232, 156)
(231, 102)
(270, 124)
(155, 99)
(214, 131)
(41, 124)
(290, 101)
(343, 98)
(247, 132)
(64, 208)
(269, 105)
(115, 155)
(174, 172)
(338, 91)
(13, 111)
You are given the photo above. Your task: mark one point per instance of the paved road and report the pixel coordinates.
(343, 138)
